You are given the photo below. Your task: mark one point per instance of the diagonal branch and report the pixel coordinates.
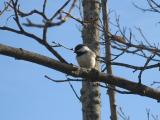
(74, 71)
(145, 65)
(60, 9)
(44, 6)
(6, 6)
(39, 40)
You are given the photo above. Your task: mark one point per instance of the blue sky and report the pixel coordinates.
(27, 95)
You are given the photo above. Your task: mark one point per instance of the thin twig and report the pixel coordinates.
(157, 65)
(122, 114)
(145, 65)
(60, 9)
(60, 45)
(62, 81)
(114, 89)
(74, 91)
(67, 80)
(44, 6)
(16, 14)
(148, 114)
(6, 6)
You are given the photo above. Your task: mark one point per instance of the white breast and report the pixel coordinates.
(87, 60)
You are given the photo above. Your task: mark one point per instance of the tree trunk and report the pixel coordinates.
(111, 93)
(90, 96)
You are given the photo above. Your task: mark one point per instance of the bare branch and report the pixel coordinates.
(22, 14)
(76, 19)
(154, 6)
(49, 22)
(80, 80)
(6, 6)
(145, 65)
(45, 29)
(74, 71)
(14, 4)
(155, 82)
(155, 117)
(39, 40)
(148, 114)
(60, 9)
(22, 33)
(122, 114)
(136, 67)
(44, 6)
(116, 90)
(69, 81)
(60, 45)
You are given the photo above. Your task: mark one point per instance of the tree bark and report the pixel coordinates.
(90, 96)
(111, 93)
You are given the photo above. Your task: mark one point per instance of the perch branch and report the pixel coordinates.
(74, 71)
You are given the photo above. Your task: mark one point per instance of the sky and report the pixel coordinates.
(27, 95)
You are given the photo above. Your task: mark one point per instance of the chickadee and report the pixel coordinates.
(85, 57)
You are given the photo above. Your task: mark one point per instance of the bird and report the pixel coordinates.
(86, 58)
